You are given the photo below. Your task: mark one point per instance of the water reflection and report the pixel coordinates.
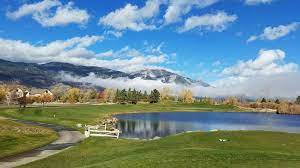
(150, 125)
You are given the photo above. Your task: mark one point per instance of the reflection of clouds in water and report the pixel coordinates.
(152, 125)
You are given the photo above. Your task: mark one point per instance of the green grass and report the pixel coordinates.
(198, 149)
(90, 114)
(16, 138)
(245, 149)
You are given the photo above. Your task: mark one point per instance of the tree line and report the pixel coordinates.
(17, 94)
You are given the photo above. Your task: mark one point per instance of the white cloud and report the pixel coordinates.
(109, 53)
(257, 2)
(51, 13)
(54, 51)
(285, 85)
(209, 22)
(265, 76)
(178, 8)
(76, 51)
(132, 17)
(268, 62)
(119, 83)
(30, 9)
(116, 34)
(273, 33)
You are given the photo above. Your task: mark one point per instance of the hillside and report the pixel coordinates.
(45, 75)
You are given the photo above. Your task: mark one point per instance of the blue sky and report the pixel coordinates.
(209, 40)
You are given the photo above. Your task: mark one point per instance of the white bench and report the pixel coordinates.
(98, 132)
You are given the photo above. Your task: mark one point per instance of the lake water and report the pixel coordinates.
(150, 125)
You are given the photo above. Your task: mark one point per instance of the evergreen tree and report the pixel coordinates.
(123, 96)
(139, 95)
(145, 96)
(134, 97)
(263, 100)
(154, 96)
(277, 101)
(298, 100)
(129, 96)
(117, 97)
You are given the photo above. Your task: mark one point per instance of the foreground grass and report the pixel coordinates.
(91, 114)
(245, 149)
(16, 138)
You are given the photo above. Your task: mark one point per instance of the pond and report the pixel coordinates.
(152, 125)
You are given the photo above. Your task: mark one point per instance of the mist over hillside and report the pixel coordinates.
(49, 74)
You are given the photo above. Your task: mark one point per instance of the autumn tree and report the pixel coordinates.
(2, 93)
(111, 95)
(89, 95)
(73, 95)
(231, 100)
(46, 97)
(165, 94)
(186, 96)
(108, 95)
(9, 97)
(59, 92)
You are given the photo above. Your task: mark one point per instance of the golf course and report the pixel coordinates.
(190, 149)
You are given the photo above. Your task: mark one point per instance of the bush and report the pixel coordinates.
(288, 108)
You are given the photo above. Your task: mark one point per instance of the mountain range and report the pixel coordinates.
(45, 75)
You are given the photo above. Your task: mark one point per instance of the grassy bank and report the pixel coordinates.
(16, 138)
(70, 115)
(245, 149)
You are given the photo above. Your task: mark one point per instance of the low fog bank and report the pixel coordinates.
(276, 86)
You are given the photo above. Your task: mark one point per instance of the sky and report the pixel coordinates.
(227, 43)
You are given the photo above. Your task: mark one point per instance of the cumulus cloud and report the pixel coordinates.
(76, 51)
(51, 13)
(257, 2)
(273, 33)
(268, 62)
(283, 85)
(132, 17)
(209, 22)
(177, 9)
(265, 76)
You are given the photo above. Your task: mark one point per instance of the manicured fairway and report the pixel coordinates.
(245, 149)
(16, 137)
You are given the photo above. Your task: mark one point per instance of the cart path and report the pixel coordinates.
(68, 137)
